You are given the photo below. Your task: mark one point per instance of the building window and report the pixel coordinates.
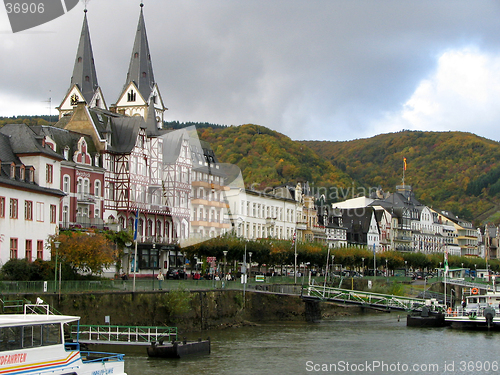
(49, 173)
(13, 248)
(66, 182)
(29, 250)
(65, 217)
(28, 210)
(39, 249)
(13, 208)
(131, 96)
(53, 213)
(2, 206)
(39, 211)
(31, 175)
(97, 188)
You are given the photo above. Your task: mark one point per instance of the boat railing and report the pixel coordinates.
(40, 309)
(89, 357)
(470, 313)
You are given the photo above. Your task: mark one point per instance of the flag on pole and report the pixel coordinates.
(293, 240)
(135, 225)
(404, 161)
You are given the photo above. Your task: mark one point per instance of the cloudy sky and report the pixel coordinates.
(311, 69)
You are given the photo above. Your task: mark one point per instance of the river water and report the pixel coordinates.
(371, 343)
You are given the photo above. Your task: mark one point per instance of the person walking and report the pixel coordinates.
(160, 279)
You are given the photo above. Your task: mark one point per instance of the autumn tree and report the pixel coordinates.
(85, 251)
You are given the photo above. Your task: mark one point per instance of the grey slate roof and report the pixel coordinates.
(172, 142)
(6, 153)
(124, 131)
(65, 138)
(23, 140)
(151, 127)
(20, 137)
(84, 65)
(140, 70)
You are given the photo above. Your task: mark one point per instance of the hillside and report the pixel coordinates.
(268, 158)
(448, 170)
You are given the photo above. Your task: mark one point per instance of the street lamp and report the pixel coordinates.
(386, 269)
(333, 267)
(363, 269)
(128, 244)
(225, 254)
(406, 268)
(56, 244)
(250, 272)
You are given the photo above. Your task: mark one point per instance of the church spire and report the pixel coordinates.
(140, 70)
(84, 73)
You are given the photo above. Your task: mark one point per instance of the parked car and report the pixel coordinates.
(176, 273)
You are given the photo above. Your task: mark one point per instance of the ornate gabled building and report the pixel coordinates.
(82, 177)
(140, 89)
(128, 147)
(84, 86)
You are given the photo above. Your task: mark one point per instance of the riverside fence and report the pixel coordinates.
(273, 285)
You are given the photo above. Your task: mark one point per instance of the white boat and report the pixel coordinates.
(479, 311)
(35, 344)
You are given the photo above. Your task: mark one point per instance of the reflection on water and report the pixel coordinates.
(358, 344)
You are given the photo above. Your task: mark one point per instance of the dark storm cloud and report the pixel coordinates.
(315, 69)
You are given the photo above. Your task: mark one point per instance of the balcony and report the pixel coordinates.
(85, 198)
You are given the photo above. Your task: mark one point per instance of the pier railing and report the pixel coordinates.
(129, 334)
(367, 299)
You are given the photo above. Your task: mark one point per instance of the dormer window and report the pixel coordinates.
(12, 171)
(31, 175)
(66, 152)
(22, 173)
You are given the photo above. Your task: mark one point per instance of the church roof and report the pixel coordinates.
(140, 70)
(84, 72)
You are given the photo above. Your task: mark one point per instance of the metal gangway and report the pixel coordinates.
(471, 285)
(122, 335)
(377, 301)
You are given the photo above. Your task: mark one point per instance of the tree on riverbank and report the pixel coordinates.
(85, 252)
(276, 253)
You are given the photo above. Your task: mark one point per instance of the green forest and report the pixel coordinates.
(268, 158)
(453, 171)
